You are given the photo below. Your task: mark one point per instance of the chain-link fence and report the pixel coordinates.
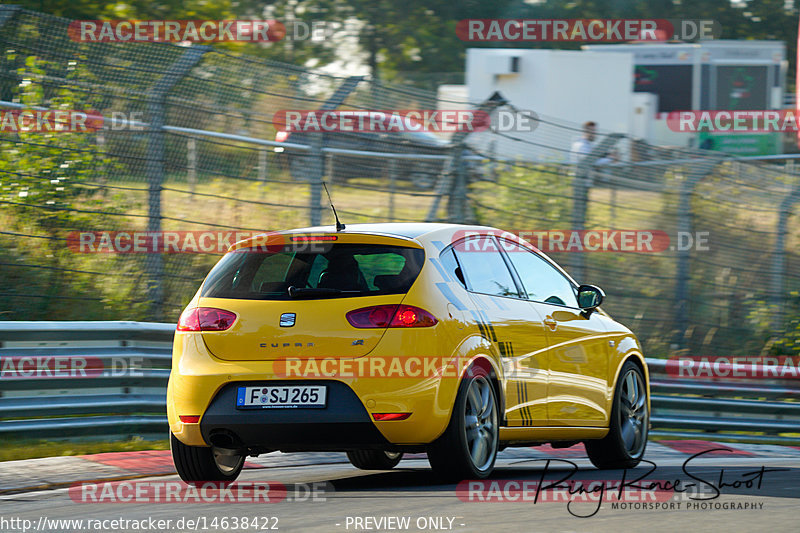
(712, 268)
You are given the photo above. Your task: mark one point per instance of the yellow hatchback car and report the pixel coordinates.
(380, 339)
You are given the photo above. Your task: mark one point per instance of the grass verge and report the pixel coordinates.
(13, 450)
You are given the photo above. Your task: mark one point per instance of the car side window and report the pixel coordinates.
(541, 281)
(450, 265)
(483, 267)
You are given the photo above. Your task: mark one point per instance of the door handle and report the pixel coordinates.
(550, 322)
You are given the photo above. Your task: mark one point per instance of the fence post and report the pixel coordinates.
(392, 187)
(453, 181)
(317, 155)
(443, 186)
(263, 171)
(696, 173)
(191, 162)
(100, 143)
(156, 96)
(457, 204)
(779, 256)
(581, 183)
(263, 166)
(316, 175)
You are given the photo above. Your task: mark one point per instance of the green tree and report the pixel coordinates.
(134, 9)
(411, 40)
(46, 168)
(42, 184)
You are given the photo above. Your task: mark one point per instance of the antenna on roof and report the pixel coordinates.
(339, 225)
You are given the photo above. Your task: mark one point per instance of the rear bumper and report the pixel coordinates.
(343, 424)
(203, 385)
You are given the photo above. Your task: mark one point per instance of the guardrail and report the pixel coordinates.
(84, 379)
(108, 379)
(726, 409)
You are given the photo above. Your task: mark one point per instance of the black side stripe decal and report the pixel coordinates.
(489, 325)
(526, 417)
(527, 406)
(482, 328)
(506, 350)
(479, 323)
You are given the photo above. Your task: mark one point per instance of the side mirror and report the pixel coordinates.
(590, 297)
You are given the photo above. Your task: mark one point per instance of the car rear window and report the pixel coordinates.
(353, 269)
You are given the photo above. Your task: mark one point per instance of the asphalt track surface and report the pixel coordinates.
(352, 500)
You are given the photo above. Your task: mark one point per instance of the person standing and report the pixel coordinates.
(583, 146)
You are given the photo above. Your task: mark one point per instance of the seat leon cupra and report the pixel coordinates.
(381, 339)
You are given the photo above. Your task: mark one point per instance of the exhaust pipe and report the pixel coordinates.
(224, 439)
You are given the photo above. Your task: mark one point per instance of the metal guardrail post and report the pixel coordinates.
(156, 96)
(696, 173)
(779, 255)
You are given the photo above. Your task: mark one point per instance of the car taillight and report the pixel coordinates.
(281, 136)
(206, 319)
(391, 316)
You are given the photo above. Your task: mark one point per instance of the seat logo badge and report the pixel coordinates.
(358, 342)
(287, 320)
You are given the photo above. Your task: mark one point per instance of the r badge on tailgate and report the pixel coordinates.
(287, 320)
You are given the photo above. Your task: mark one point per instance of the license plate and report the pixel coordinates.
(281, 397)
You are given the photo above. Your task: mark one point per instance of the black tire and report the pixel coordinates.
(197, 463)
(374, 459)
(626, 441)
(459, 454)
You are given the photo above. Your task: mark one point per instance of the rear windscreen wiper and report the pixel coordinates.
(310, 292)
